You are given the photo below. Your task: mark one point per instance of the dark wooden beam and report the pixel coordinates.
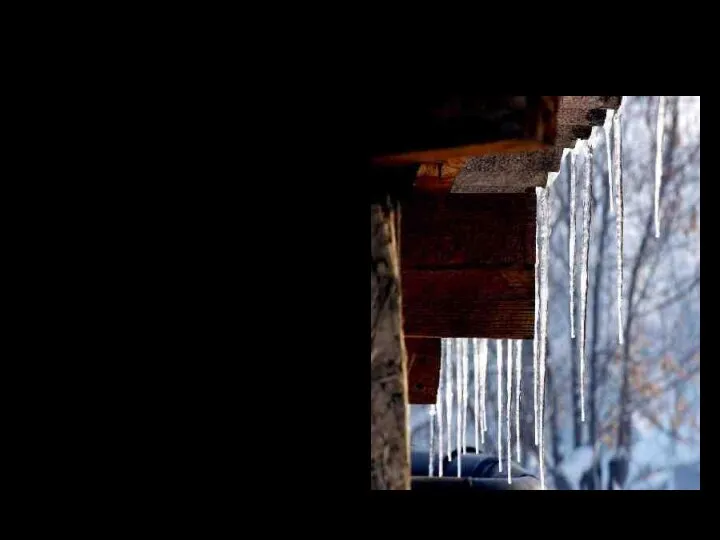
(423, 370)
(479, 302)
(468, 265)
(437, 126)
(468, 230)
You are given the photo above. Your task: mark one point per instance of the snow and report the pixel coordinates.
(576, 463)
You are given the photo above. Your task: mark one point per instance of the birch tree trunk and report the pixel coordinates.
(389, 446)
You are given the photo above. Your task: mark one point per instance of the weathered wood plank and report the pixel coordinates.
(488, 302)
(423, 369)
(389, 445)
(468, 230)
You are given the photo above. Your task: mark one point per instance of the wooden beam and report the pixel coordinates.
(469, 230)
(423, 370)
(420, 128)
(479, 302)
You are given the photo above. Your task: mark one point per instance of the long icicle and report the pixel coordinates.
(508, 408)
(660, 132)
(545, 238)
(585, 254)
(466, 396)
(431, 461)
(439, 408)
(518, 384)
(608, 146)
(571, 236)
(483, 387)
(448, 394)
(617, 173)
(476, 387)
(536, 333)
(498, 365)
(458, 412)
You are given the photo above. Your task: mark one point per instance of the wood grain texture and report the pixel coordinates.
(488, 302)
(468, 230)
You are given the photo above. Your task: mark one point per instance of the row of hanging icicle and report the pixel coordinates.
(455, 351)
(453, 393)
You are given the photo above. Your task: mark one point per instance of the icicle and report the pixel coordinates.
(571, 240)
(498, 365)
(461, 393)
(466, 397)
(587, 218)
(508, 408)
(483, 387)
(617, 173)
(518, 381)
(476, 387)
(608, 130)
(448, 394)
(431, 461)
(536, 334)
(439, 410)
(660, 131)
(458, 412)
(545, 241)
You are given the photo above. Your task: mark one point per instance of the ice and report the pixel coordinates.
(544, 249)
(466, 397)
(587, 217)
(617, 174)
(439, 407)
(458, 412)
(551, 178)
(431, 461)
(498, 365)
(483, 387)
(536, 333)
(448, 393)
(518, 385)
(476, 388)
(660, 132)
(508, 408)
(571, 241)
(608, 146)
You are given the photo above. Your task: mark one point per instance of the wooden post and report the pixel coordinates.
(389, 446)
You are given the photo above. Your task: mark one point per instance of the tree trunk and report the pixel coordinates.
(389, 448)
